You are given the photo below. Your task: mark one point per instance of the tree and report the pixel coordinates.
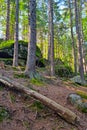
(72, 37)
(8, 20)
(51, 36)
(31, 57)
(78, 33)
(12, 19)
(15, 58)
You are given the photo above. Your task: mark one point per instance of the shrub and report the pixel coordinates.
(63, 71)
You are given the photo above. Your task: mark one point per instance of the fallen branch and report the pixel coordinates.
(65, 113)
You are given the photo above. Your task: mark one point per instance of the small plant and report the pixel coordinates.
(13, 98)
(3, 114)
(37, 105)
(82, 94)
(83, 107)
(37, 82)
(22, 75)
(1, 88)
(36, 79)
(63, 71)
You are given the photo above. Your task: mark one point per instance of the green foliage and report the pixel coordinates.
(13, 98)
(6, 44)
(7, 61)
(37, 82)
(37, 79)
(1, 88)
(82, 94)
(22, 75)
(38, 52)
(63, 71)
(3, 114)
(38, 105)
(1, 40)
(9, 43)
(83, 107)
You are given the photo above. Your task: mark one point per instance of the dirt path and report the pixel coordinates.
(27, 114)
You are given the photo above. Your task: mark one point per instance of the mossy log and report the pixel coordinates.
(65, 113)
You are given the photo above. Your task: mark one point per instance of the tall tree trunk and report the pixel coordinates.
(72, 37)
(8, 20)
(15, 58)
(82, 34)
(81, 69)
(31, 57)
(51, 36)
(12, 21)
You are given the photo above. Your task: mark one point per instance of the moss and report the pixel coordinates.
(6, 44)
(7, 61)
(82, 94)
(37, 82)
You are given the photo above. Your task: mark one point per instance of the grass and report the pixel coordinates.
(37, 82)
(1, 88)
(37, 106)
(13, 98)
(3, 114)
(22, 75)
(37, 79)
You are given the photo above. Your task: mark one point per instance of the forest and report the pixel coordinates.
(43, 65)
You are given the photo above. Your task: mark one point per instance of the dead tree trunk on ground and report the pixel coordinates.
(65, 113)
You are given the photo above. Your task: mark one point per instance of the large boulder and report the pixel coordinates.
(7, 50)
(76, 79)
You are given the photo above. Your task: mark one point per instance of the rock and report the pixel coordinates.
(74, 99)
(4, 54)
(76, 79)
(7, 50)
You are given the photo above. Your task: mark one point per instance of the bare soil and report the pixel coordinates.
(25, 115)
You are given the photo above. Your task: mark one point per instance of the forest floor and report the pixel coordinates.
(26, 113)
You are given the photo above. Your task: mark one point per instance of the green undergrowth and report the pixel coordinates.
(82, 94)
(13, 98)
(7, 61)
(6, 44)
(37, 79)
(1, 88)
(20, 68)
(37, 106)
(21, 75)
(4, 114)
(37, 82)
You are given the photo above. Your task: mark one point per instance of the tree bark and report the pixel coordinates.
(15, 58)
(31, 57)
(51, 37)
(72, 37)
(65, 113)
(8, 20)
(77, 19)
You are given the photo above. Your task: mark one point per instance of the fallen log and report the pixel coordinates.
(65, 113)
